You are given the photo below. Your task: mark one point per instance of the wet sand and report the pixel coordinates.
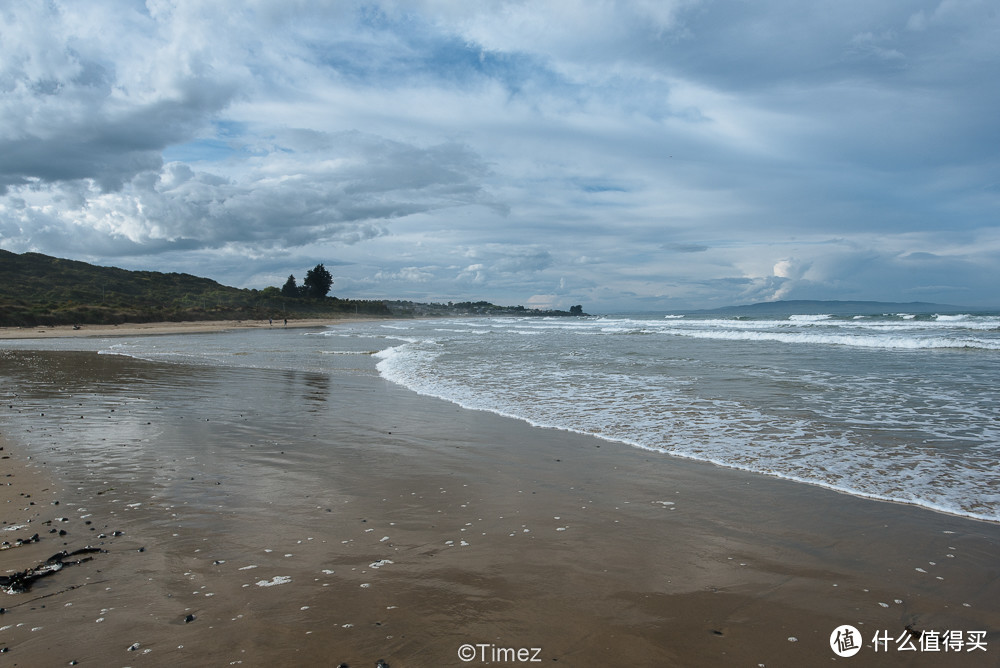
(369, 523)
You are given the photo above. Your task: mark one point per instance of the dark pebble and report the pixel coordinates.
(189, 619)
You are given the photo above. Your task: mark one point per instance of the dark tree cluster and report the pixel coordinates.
(316, 284)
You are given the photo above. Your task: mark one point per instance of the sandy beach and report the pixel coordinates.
(370, 523)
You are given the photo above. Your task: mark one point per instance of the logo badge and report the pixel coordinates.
(845, 640)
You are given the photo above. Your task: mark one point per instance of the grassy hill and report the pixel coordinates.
(38, 289)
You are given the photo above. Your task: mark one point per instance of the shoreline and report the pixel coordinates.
(218, 326)
(875, 498)
(172, 327)
(409, 530)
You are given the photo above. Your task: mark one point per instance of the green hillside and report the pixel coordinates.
(37, 289)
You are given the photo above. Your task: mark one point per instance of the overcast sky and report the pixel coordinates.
(653, 154)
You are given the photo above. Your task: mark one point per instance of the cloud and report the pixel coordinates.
(513, 259)
(73, 108)
(695, 153)
(288, 198)
(408, 274)
(789, 268)
(685, 248)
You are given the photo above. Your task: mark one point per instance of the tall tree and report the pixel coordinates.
(289, 289)
(318, 282)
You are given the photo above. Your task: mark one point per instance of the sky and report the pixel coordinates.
(644, 155)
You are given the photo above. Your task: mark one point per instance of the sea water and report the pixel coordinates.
(897, 407)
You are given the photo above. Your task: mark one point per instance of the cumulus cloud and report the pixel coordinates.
(87, 121)
(287, 199)
(789, 268)
(85, 97)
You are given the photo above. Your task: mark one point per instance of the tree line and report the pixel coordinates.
(316, 284)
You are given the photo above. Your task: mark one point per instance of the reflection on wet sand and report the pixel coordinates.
(297, 518)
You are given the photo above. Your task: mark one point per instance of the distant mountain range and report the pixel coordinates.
(832, 307)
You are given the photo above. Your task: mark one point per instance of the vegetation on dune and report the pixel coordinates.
(37, 290)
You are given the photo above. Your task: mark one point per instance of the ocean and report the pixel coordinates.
(895, 407)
